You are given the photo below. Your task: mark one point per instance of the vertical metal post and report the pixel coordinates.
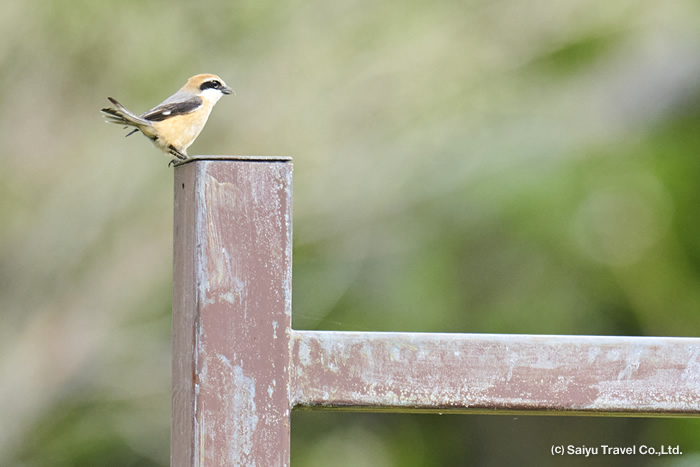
(232, 312)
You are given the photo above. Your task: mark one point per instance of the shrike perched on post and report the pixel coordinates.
(174, 124)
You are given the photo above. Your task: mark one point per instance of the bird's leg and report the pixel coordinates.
(180, 155)
(176, 153)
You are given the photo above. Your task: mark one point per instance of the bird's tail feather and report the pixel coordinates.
(120, 115)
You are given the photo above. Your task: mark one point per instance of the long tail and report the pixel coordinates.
(120, 115)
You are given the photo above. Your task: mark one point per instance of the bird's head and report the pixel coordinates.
(209, 86)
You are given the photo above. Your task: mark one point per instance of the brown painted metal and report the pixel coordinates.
(555, 375)
(239, 368)
(231, 312)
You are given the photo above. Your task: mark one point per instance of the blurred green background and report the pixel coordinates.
(460, 166)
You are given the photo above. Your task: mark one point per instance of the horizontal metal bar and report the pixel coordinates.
(533, 374)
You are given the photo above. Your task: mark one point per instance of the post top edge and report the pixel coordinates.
(235, 158)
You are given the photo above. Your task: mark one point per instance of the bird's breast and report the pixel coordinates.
(181, 131)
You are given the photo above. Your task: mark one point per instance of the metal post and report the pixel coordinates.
(231, 312)
(239, 368)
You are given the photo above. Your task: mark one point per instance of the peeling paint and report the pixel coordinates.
(224, 360)
(238, 367)
(631, 364)
(418, 371)
(304, 354)
(691, 372)
(236, 337)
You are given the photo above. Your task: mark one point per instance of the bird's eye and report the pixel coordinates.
(213, 84)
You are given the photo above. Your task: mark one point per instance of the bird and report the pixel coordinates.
(175, 123)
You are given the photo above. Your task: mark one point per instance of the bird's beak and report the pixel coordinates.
(228, 90)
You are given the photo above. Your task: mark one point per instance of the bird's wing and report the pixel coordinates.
(171, 108)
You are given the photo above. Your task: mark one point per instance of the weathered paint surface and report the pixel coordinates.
(231, 312)
(593, 375)
(239, 368)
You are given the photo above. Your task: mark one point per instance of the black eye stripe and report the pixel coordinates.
(213, 84)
